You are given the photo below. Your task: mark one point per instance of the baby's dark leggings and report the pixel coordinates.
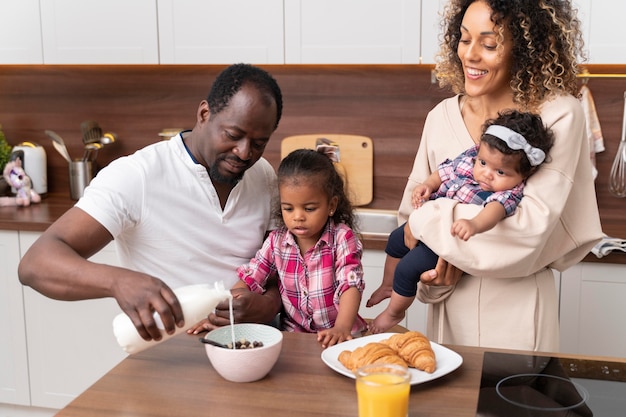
(413, 262)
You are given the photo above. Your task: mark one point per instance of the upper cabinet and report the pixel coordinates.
(20, 32)
(600, 22)
(253, 31)
(221, 32)
(352, 31)
(431, 27)
(99, 32)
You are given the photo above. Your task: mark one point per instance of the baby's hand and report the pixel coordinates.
(420, 195)
(463, 228)
(330, 337)
(199, 327)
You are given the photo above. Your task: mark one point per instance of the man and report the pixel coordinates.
(184, 211)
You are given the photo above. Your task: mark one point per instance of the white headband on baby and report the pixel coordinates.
(516, 141)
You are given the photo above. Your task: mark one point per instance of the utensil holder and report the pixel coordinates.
(81, 174)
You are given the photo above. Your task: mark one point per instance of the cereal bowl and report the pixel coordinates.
(244, 365)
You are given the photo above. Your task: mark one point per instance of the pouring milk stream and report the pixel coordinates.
(197, 301)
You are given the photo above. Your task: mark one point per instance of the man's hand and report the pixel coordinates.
(142, 296)
(248, 307)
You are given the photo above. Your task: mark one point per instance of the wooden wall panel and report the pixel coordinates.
(387, 103)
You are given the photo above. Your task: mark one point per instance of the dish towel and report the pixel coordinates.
(608, 245)
(594, 131)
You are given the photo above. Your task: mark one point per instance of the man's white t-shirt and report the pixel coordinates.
(165, 216)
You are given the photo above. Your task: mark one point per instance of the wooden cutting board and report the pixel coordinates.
(356, 160)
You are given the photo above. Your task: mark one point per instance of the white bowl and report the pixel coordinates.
(244, 365)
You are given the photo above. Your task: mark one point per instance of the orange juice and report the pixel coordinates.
(383, 393)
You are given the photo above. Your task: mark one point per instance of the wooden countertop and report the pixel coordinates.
(176, 378)
(37, 218)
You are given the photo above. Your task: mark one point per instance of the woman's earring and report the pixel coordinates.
(331, 213)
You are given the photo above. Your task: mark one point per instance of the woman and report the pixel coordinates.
(500, 55)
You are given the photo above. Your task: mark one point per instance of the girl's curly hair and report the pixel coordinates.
(313, 167)
(547, 45)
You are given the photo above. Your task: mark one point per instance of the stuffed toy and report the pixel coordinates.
(16, 177)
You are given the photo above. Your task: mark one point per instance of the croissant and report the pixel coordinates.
(369, 354)
(415, 349)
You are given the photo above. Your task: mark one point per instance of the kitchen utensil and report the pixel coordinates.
(213, 342)
(92, 132)
(59, 145)
(91, 151)
(81, 174)
(108, 138)
(617, 178)
(357, 161)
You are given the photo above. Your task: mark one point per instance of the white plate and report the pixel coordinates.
(447, 360)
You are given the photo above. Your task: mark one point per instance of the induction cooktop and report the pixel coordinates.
(516, 385)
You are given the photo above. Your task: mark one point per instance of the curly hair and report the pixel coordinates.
(547, 44)
(526, 124)
(230, 81)
(315, 167)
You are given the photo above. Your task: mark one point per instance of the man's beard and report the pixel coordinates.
(223, 179)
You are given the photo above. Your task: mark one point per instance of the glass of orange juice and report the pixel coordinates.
(383, 390)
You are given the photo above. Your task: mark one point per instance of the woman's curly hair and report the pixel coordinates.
(547, 44)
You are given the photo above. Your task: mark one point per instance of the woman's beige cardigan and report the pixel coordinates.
(507, 298)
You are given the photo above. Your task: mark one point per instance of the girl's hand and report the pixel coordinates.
(330, 337)
(199, 327)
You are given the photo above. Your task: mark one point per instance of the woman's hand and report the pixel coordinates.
(444, 274)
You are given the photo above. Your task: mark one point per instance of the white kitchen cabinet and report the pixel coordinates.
(221, 32)
(20, 32)
(13, 360)
(373, 267)
(99, 32)
(70, 344)
(352, 31)
(431, 15)
(254, 31)
(593, 308)
(601, 20)
(584, 14)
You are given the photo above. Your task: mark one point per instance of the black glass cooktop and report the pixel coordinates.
(515, 385)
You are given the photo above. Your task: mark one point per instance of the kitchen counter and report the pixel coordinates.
(38, 217)
(176, 378)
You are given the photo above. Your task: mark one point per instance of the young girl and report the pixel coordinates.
(315, 253)
(492, 173)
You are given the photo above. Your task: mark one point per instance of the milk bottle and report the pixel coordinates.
(197, 301)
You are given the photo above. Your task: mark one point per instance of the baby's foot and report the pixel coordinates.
(381, 293)
(385, 321)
